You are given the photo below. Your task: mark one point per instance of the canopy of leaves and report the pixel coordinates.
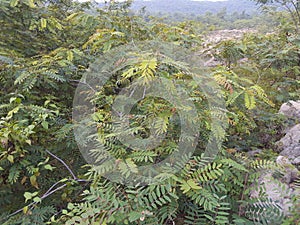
(46, 46)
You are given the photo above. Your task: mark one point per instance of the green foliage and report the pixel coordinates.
(46, 47)
(291, 6)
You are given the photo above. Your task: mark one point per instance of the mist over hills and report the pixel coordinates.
(195, 7)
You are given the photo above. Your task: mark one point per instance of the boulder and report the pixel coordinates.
(291, 109)
(254, 152)
(278, 184)
(289, 145)
(290, 173)
(296, 161)
(279, 190)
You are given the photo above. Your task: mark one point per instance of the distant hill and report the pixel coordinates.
(195, 7)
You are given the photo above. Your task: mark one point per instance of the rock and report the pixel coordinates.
(291, 109)
(254, 152)
(212, 62)
(296, 161)
(283, 161)
(221, 35)
(279, 190)
(291, 173)
(278, 183)
(289, 145)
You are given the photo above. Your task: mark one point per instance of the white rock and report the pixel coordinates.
(276, 191)
(290, 144)
(291, 109)
(296, 161)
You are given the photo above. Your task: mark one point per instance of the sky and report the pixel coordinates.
(162, 0)
(98, 0)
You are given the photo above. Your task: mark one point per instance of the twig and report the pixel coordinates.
(144, 93)
(34, 203)
(132, 92)
(242, 197)
(68, 168)
(50, 191)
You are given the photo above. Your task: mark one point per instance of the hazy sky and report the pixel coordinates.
(162, 0)
(98, 0)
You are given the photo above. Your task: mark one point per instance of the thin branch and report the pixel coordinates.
(19, 210)
(297, 12)
(50, 191)
(132, 92)
(34, 203)
(242, 197)
(144, 93)
(53, 186)
(53, 191)
(45, 195)
(292, 15)
(68, 168)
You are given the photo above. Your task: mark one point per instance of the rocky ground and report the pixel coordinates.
(282, 189)
(213, 38)
(221, 35)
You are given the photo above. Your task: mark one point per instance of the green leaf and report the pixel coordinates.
(45, 125)
(37, 199)
(185, 187)
(133, 216)
(12, 112)
(12, 99)
(43, 23)
(14, 3)
(193, 184)
(25, 209)
(49, 167)
(249, 101)
(33, 181)
(70, 55)
(31, 3)
(10, 158)
(29, 195)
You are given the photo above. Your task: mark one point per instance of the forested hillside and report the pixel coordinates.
(113, 116)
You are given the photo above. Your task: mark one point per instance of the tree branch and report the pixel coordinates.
(50, 191)
(68, 168)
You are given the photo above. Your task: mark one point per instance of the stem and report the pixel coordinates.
(68, 168)
(50, 191)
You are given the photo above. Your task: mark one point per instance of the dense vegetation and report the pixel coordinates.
(47, 46)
